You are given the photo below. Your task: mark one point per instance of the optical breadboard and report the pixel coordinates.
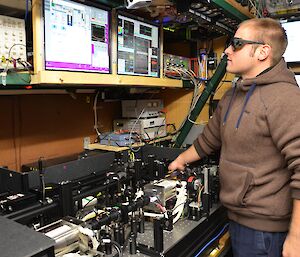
(141, 108)
(148, 128)
(13, 42)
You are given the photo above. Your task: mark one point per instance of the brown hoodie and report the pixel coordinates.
(257, 127)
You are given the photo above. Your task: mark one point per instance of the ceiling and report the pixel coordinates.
(188, 19)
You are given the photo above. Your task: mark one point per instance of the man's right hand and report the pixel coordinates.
(177, 164)
(188, 156)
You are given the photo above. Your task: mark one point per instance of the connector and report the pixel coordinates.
(3, 77)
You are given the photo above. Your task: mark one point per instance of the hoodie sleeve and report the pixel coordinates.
(209, 140)
(284, 122)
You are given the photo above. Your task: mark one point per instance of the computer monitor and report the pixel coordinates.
(298, 79)
(138, 47)
(76, 36)
(292, 53)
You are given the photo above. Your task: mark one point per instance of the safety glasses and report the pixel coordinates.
(238, 43)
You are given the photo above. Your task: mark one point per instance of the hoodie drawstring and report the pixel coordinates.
(248, 95)
(229, 106)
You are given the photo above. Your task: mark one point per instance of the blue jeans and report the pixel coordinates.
(248, 242)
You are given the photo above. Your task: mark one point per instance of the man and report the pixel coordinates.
(257, 128)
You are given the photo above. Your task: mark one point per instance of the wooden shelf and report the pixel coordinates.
(111, 148)
(123, 148)
(17, 78)
(75, 78)
(65, 78)
(296, 69)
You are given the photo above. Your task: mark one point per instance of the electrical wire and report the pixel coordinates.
(194, 100)
(162, 208)
(199, 195)
(131, 156)
(96, 115)
(88, 232)
(131, 131)
(90, 200)
(9, 52)
(117, 247)
(92, 214)
(4, 73)
(197, 86)
(26, 13)
(157, 135)
(194, 122)
(212, 240)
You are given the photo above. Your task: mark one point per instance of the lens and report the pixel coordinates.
(237, 44)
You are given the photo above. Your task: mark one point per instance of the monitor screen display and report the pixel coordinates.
(298, 79)
(138, 47)
(292, 53)
(76, 37)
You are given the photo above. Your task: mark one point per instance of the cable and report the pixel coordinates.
(162, 208)
(194, 122)
(118, 248)
(92, 214)
(88, 202)
(173, 126)
(96, 115)
(91, 235)
(4, 73)
(26, 13)
(197, 86)
(199, 196)
(131, 131)
(212, 240)
(18, 44)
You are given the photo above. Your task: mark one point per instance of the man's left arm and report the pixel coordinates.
(291, 247)
(283, 117)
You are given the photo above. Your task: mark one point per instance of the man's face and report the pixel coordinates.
(243, 60)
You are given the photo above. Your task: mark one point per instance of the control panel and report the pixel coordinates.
(12, 43)
(176, 61)
(141, 108)
(150, 128)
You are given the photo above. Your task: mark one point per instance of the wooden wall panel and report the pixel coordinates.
(7, 132)
(177, 102)
(48, 126)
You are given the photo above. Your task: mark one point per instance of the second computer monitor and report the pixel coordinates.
(138, 47)
(292, 53)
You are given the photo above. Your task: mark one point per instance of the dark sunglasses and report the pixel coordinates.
(238, 43)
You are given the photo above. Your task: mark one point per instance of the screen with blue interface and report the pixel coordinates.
(76, 37)
(138, 47)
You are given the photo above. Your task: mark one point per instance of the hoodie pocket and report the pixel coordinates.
(236, 182)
